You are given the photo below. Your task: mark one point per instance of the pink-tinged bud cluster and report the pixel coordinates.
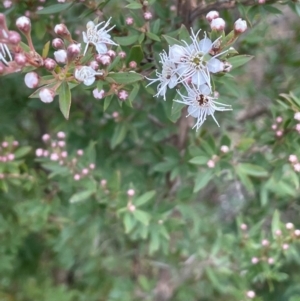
(240, 26)
(289, 226)
(14, 37)
(98, 94)
(271, 261)
(265, 243)
(7, 150)
(111, 53)
(31, 80)
(212, 15)
(122, 54)
(278, 232)
(261, 1)
(254, 260)
(217, 24)
(103, 59)
(24, 24)
(46, 95)
(56, 152)
(94, 65)
(129, 21)
(20, 59)
(293, 159)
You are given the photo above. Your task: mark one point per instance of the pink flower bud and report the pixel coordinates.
(265, 243)
(15, 143)
(131, 208)
(80, 152)
(132, 64)
(62, 30)
(104, 60)
(60, 56)
(279, 133)
(122, 54)
(285, 247)
(297, 167)
(45, 153)
(49, 64)
(217, 24)
(98, 94)
(20, 59)
(46, 95)
(130, 192)
(254, 260)
(279, 119)
(31, 80)
(297, 232)
(115, 115)
(240, 26)
(289, 226)
(58, 43)
(61, 143)
(297, 127)
(261, 1)
(297, 116)
(10, 157)
(4, 144)
(250, 294)
(293, 158)
(278, 232)
(103, 183)
(111, 53)
(39, 152)
(2, 68)
(85, 171)
(73, 51)
(212, 15)
(129, 21)
(224, 149)
(274, 127)
(24, 24)
(61, 135)
(64, 154)
(123, 95)
(147, 15)
(54, 157)
(76, 177)
(14, 37)
(92, 166)
(243, 227)
(211, 164)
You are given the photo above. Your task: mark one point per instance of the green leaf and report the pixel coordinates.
(171, 41)
(81, 196)
(245, 143)
(119, 135)
(107, 101)
(199, 160)
(135, 54)
(64, 99)
(142, 216)
(126, 41)
(134, 5)
(153, 36)
(129, 222)
(46, 49)
(124, 77)
(252, 170)
(202, 180)
(276, 224)
(245, 180)
(239, 60)
(144, 198)
(55, 8)
(22, 151)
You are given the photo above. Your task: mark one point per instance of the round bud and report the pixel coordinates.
(73, 51)
(210, 164)
(254, 260)
(31, 80)
(130, 192)
(122, 54)
(80, 152)
(224, 149)
(14, 37)
(20, 59)
(24, 24)
(147, 15)
(50, 64)
(217, 24)
(62, 30)
(132, 64)
(123, 95)
(76, 177)
(240, 26)
(60, 56)
(129, 21)
(212, 15)
(289, 226)
(250, 294)
(39, 152)
(98, 94)
(58, 43)
(46, 95)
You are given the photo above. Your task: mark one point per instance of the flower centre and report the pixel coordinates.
(202, 100)
(197, 61)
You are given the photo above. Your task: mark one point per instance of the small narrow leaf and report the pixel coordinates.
(56, 8)
(239, 60)
(125, 77)
(64, 99)
(46, 49)
(81, 196)
(144, 198)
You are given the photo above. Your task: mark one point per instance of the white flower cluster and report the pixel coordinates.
(191, 65)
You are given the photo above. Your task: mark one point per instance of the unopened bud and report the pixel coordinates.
(210, 164)
(254, 260)
(129, 21)
(224, 149)
(62, 30)
(250, 294)
(14, 37)
(122, 54)
(31, 80)
(132, 64)
(265, 243)
(130, 192)
(147, 15)
(123, 95)
(60, 56)
(58, 43)
(73, 51)
(24, 24)
(285, 246)
(289, 226)
(217, 24)
(212, 15)
(98, 94)
(46, 95)
(243, 227)
(61, 135)
(50, 64)
(240, 26)
(76, 177)
(104, 59)
(20, 59)
(297, 232)
(270, 260)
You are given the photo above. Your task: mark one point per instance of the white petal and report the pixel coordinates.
(205, 45)
(198, 78)
(176, 52)
(173, 81)
(215, 65)
(205, 89)
(89, 81)
(193, 111)
(101, 48)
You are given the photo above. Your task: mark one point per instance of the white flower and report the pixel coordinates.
(4, 51)
(98, 37)
(240, 25)
(98, 94)
(60, 56)
(201, 104)
(86, 74)
(167, 77)
(195, 61)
